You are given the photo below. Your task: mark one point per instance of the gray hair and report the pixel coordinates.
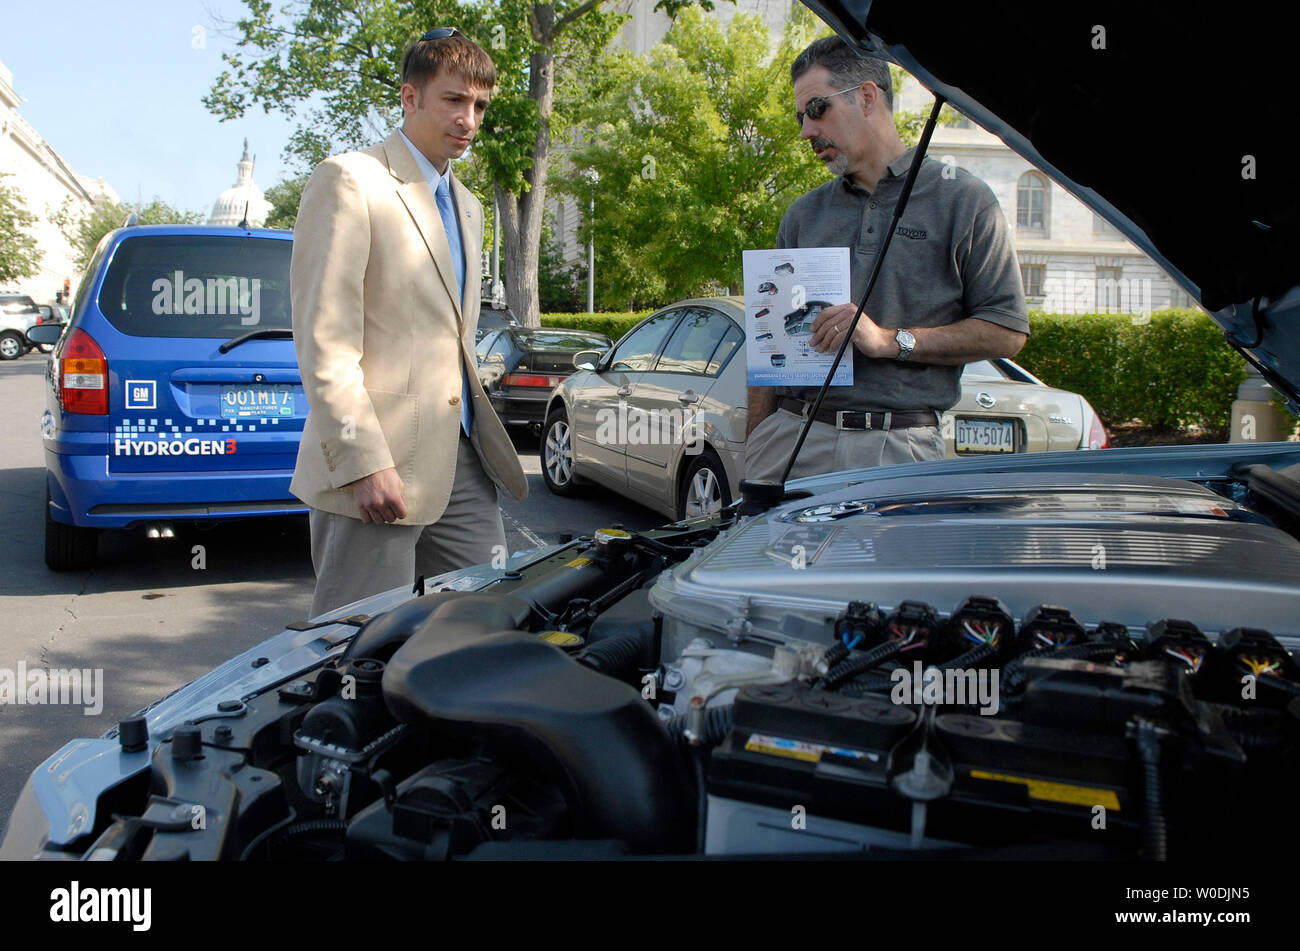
(846, 65)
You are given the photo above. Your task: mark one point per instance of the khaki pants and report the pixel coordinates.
(354, 560)
(828, 449)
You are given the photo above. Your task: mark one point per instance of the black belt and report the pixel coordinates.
(856, 419)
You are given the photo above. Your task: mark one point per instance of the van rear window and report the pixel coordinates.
(197, 286)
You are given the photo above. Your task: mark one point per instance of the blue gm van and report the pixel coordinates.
(174, 392)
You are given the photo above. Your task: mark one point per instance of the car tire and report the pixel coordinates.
(68, 547)
(704, 487)
(557, 453)
(12, 345)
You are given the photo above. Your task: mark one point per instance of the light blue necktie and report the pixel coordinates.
(452, 227)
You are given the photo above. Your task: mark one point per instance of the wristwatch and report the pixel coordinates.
(906, 342)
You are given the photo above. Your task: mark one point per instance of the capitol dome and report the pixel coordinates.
(241, 198)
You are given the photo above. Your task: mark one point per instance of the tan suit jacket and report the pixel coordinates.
(380, 335)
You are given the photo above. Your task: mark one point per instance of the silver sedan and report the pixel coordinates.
(660, 417)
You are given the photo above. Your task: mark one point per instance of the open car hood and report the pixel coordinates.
(1163, 120)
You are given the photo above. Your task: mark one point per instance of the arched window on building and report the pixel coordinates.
(1031, 203)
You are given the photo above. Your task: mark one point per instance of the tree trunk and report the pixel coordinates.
(521, 215)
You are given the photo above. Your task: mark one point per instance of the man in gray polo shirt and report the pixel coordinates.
(949, 291)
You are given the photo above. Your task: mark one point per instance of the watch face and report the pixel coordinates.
(905, 344)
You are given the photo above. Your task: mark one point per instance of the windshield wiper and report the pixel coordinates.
(234, 342)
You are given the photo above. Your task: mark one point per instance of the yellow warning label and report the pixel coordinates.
(561, 638)
(577, 563)
(780, 746)
(1056, 792)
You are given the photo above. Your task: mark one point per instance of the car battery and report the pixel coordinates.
(1012, 781)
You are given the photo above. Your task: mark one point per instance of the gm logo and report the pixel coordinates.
(141, 394)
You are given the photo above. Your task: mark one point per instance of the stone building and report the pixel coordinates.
(48, 186)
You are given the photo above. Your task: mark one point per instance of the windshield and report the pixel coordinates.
(17, 305)
(564, 340)
(197, 286)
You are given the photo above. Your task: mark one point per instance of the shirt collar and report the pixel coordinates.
(430, 173)
(898, 167)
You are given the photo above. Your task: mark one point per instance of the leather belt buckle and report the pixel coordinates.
(840, 422)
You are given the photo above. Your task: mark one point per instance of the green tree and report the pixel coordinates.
(20, 257)
(698, 156)
(284, 198)
(84, 230)
(339, 62)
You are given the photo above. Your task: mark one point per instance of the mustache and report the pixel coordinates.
(821, 143)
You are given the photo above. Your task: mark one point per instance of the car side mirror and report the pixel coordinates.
(587, 359)
(45, 333)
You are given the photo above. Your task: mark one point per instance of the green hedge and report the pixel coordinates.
(612, 324)
(1170, 369)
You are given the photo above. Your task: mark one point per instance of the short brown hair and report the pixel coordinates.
(460, 54)
(847, 66)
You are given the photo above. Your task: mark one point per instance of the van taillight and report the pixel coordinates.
(83, 376)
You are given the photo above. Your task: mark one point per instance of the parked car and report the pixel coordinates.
(1005, 408)
(519, 367)
(56, 314)
(174, 393)
(683, 690)
(490, 319)
(18, 314)
(622, 419)
(687, 359)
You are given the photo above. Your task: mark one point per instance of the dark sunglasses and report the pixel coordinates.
(441, 33)
(817, 105)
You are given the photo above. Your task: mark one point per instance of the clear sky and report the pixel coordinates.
(116, 89)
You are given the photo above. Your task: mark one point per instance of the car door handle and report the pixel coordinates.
(624, 391)
(689, 397)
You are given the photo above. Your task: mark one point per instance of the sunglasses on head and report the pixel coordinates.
(441, 33)
(817, 105)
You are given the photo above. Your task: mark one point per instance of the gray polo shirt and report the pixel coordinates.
(951, 258)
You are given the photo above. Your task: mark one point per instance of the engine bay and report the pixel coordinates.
(1097, 667)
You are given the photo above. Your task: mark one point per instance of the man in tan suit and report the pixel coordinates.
(401, 454)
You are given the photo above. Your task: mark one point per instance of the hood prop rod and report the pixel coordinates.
(919, 156)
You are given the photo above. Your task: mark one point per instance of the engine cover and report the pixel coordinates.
(1114, 548)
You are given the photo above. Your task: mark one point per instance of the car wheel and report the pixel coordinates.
(704, 488)
(557, 453)
(68, 547)
(12, 345)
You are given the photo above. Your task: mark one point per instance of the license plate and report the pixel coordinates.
(257, 401)
(985, 435)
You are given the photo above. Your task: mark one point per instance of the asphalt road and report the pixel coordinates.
(144, 614)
